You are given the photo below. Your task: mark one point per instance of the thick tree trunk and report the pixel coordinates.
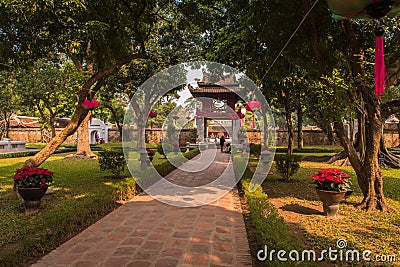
(391, 159)
(371, 176)
(115, 117)
(141, 128)
(368, 171)
(83, 147)
(329, 134)
(53, 127)
(288, 116)
(54, 143)
(265, 141)
(7, 119)
(367, 166)
(300, 141)
(398, 129)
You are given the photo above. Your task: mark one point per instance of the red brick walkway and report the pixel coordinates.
(146, 232)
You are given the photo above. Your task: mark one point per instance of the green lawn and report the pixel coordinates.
(375, 231)
(82, 197)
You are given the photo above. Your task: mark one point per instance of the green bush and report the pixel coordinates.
(255, 150)
(193, 134)
(287, 165)
(32, 153)
(112, 160)
(164, 149)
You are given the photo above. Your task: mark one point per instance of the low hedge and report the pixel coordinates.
(310, 150)
(271, 229)
(32, 153)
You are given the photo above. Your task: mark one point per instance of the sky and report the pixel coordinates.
(190, 78)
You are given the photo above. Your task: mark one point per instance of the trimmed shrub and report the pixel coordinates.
(112, 160)
(164, 149)
(287, 165)
(255, 150)
(32, 153)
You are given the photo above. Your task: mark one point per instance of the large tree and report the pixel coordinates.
(99, 37)
(319, 46)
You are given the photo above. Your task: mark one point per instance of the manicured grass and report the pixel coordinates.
(83, 195)
(375, 231)
(271, 229)
(312, 149)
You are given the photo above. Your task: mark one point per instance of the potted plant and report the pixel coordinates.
(176, 148)
(32, 183)
(331, 185)
(150, 153)
(266, 154)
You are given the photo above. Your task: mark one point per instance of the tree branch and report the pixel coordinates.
(390, 107)
(76, 61)
(106, 72)
(393, 70)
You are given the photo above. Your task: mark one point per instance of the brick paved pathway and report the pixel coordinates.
(146, 232)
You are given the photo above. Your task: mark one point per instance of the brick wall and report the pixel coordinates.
(33, 135)
(154, 136)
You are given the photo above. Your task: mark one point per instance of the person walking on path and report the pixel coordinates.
(221, 142)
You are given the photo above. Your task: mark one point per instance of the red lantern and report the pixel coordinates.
(240, 115)
(152, 114)
(369, 9)
(253, 105)
(90, 104)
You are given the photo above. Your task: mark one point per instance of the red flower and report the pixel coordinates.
(150, 151)
(331, 179)
(32, 177)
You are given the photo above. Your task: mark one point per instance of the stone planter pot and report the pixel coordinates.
(349, 192)
(32, 196)
(265, 157)
(330, 200)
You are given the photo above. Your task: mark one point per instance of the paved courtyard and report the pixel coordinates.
(146, 232)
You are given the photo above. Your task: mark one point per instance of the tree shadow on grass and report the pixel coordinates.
(301, 209)
(299, 189)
